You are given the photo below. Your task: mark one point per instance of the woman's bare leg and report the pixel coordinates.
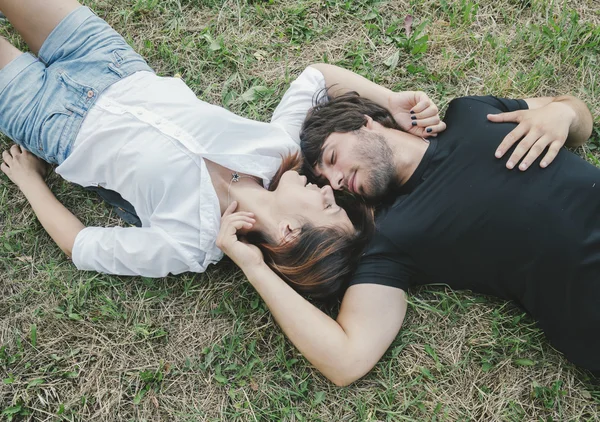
(35, 19)
(8, 52)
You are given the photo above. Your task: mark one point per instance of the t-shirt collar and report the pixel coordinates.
(417, 177)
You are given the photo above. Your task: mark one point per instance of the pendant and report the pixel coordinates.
(235, 177)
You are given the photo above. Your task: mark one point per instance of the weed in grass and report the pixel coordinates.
(459, 13)
(150, 381)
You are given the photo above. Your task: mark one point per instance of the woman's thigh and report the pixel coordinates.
(8, 52)
(36, 19)
(44, 100)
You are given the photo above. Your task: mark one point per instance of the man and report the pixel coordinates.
(455, 214)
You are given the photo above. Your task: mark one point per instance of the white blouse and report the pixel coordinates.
(146, 138)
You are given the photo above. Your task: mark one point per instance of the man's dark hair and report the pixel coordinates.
(344, 113)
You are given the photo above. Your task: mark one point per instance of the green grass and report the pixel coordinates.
(78, 346)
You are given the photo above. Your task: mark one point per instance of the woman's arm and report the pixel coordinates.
(27, 172)
(574, 113)
(146, 251)
(341, 81)
(344, 350)
(413, 110)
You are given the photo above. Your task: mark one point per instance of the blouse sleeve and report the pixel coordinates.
(298, 99)
(146, 251)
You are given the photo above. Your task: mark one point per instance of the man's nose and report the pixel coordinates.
(336, 180)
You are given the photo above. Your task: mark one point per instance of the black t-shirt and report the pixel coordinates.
(465, 220)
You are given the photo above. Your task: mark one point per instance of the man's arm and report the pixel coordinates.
(27, 172)
(413, 110)
(550, 122)
(343, 350)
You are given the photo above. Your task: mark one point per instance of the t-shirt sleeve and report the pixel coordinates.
(298, 99)
(146, 251)
(382, 263)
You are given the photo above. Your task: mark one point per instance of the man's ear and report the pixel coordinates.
(288, 230)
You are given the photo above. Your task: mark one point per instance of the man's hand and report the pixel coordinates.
(416, 113)
(21, 166)
(243, 254)
(538, 129)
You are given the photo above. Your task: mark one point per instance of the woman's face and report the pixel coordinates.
(309, 203)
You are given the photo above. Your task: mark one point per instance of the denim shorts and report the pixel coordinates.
(44, 99)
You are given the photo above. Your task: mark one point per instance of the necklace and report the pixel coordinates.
(234, 179)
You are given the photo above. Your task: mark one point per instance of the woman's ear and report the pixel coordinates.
(288, 230)
(369, 122)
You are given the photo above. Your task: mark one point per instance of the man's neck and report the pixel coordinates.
(409, 151)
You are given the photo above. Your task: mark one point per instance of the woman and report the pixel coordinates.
(91, 105)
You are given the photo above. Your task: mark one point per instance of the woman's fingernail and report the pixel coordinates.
(498, 154)
(523, 166)
(544, 164)
(413, 117)
(414, 123)
(510, 164)
(412, 112)
(429, 130)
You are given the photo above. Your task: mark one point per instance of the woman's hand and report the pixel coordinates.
(413, 110)
(243, 254)
(416, 113)
(28, 172)
(537, 129)
(21, 166)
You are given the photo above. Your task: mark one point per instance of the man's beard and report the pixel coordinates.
(378, 160)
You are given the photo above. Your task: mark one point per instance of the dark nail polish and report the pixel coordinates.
(429, 130)
(413, 117)
(412, 112)
(414, 123)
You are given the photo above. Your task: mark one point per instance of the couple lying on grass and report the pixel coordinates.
(201, 179)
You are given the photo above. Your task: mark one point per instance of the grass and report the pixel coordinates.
(78, 346)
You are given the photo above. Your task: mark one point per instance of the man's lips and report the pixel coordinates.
(351, 186)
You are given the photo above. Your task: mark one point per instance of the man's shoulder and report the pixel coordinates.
(471, 101)
(486, 103)
(389, 213)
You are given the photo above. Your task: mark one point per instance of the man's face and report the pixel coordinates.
(360, 162)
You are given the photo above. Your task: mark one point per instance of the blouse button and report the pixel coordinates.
(90, 93)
